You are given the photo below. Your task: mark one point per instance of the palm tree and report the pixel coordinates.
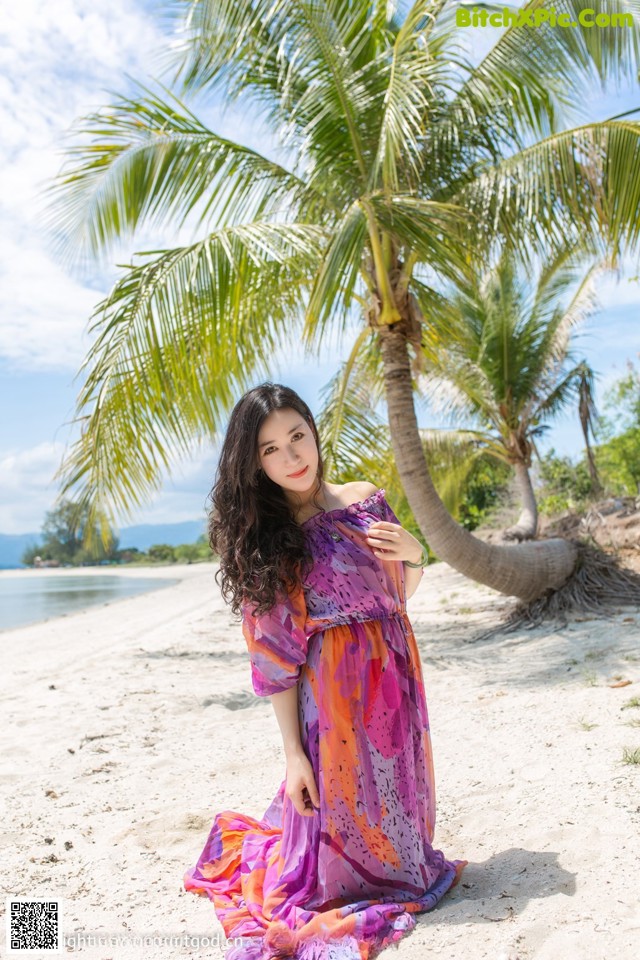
(404, 162)
(505, 362)
(356, 440)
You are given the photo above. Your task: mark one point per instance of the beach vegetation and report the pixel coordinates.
(618, 434)
(590, 678)
(586, 725)
(633, 702)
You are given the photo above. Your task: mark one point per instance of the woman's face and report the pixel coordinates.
(286, 445)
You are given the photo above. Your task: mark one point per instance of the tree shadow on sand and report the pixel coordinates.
(501, 886)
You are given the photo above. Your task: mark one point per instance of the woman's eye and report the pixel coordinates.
(293, 438)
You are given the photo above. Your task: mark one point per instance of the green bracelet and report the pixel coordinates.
(424, 559)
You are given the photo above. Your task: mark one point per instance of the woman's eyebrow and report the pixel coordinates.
(267, 442)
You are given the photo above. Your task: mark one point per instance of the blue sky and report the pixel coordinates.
(59, 61)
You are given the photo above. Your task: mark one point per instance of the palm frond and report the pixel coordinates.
(459, 389)
(220, 39)
(554, 323)
(511, 96)
(513, 86)
(583, 304)
(564, 391)
(585, 180)
(609, 53)
(176, 339)
(587, 410)
(437, 307)
(558, 271)
(355, 440)
(302, 61)
(338, 275)
(507, 97)
(451, 455)
(399, 157)
(430, 230)
(506, 350)
(155, 161)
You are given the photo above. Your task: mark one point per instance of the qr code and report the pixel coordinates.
(33, 925)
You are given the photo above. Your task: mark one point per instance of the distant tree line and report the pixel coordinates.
(62, 546)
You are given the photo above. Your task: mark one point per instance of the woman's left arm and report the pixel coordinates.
(412, 578)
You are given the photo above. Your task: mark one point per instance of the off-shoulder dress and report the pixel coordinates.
(347, 881)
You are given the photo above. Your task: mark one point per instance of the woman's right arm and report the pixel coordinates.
(301, 785)
(277, 644)
(285, 706)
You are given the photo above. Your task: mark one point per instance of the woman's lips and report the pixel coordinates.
(295, 476)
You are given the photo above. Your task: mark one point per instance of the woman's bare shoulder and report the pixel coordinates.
(342, 495)
(359, 490)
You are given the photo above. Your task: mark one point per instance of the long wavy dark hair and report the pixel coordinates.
(262, 549)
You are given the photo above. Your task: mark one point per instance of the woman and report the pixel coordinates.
(342, 858)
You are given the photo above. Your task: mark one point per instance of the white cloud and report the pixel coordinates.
(619, 292)
(55, 61)
(26, 488)
(43, 311)
(60, 61)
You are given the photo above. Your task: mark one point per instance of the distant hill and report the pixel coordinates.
(142, 536)
(13, 545)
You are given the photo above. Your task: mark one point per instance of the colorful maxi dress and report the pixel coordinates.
(345, 882)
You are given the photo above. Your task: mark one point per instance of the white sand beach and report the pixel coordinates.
(128, 726)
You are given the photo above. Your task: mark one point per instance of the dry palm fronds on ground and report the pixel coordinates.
(601, 580)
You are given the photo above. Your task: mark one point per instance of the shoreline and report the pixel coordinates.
(92, 571)
(172, 572)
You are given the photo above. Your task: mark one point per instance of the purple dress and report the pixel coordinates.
(344, 883)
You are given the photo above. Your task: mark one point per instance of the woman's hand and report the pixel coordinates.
(301, 785)
(390, 541)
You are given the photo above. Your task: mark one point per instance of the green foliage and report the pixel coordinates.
(29, 555)
(622, 399)
(508, 364)
(470, 499)
(618, 455)
(161, 553)
(64, 532)
(618, 463)
(356, 443)
(567, 485)
(564, 485)
(183, 553)
(482, 488)
(192, 552)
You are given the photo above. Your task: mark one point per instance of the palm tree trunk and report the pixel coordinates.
(587, 412)
(526, 526)
(596, 484)
(525, 570)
